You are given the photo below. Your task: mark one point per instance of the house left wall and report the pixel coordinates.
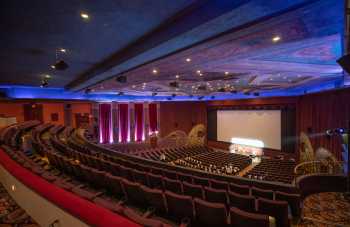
(15, 108)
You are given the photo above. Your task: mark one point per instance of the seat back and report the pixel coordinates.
(210, 214)
(215, 195)
(156, 199)
(140, 177)
(243, 202)
(133, 193)
(218, 184)
(155, 181)
(114, 185)
(240, 218)
(179, 206)
(172, 185)
(240, 189)
(294, 201)
(184, 177)
(276, 209)
(261, 193)
(196, 191)
(201, 181)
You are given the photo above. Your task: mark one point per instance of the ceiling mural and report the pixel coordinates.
(295, 49)
(161, 50)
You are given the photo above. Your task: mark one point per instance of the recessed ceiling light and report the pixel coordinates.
(47, 76)
(271, 78)
(144, 84)
(198, 71)
(155, 71)
(63, 50)
(84, 16)
(53, 66)
(276, 38)
(188, 59)
(177, 76)
(133, 86)
(226, 73)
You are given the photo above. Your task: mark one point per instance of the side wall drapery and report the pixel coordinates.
(153, 117)
(123, 122)
(138, 121)
(105, 123)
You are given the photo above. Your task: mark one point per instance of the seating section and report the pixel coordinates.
(216, 162)
(151, 193)
(273, 170)
(175, 153)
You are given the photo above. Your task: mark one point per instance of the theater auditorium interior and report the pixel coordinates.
(165, 113)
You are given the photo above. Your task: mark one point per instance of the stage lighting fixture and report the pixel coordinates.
(44, 83)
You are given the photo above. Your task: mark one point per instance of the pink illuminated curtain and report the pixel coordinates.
(138, 122)
(153, 117)
(105, 123)
(123, 122)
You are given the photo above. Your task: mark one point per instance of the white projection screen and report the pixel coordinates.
(264, 125)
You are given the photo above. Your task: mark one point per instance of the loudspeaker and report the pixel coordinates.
(61, 65)
(121, 79)
(344, 62)
(174, 84)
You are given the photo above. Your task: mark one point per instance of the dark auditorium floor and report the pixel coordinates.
(326, 209)
(11, 215)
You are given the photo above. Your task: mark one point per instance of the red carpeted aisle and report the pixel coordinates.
(72, 204)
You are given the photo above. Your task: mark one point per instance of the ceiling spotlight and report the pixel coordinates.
(63, 50)
(144, 84)
(47, 76)
(188, 59)
(84, 16)
(276, 38)
(226, 73)
(198, 71)
(155, 71)
(133, 86)
(53, 66)
(177, 76)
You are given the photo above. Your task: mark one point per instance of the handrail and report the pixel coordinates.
(317, 166)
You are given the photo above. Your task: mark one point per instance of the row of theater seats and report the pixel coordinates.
(166, 178)
(173, 154)
(273, 170)
(170, 182)
(216, 162)
(11, 134)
